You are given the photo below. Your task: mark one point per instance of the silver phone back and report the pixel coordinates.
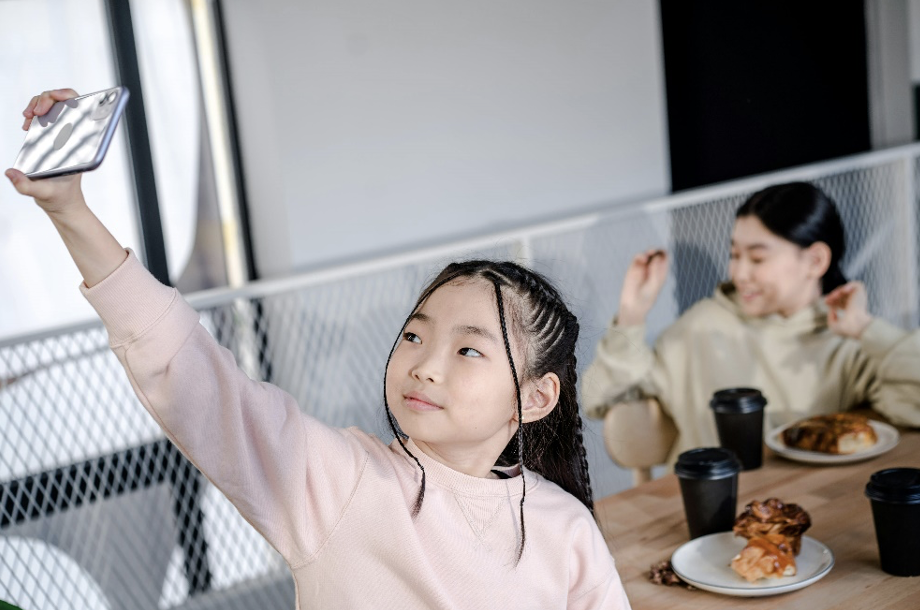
(73, 136)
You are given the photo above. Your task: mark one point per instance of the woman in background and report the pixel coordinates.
(787, 323)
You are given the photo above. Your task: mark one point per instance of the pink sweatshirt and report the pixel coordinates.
(336, 503)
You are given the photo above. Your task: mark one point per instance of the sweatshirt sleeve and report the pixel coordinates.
(289, 475)
(594, 580)
(890, 377)
(622, 362)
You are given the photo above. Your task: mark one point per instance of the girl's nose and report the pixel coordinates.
(427, 368)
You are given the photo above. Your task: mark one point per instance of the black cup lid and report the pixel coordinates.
(895, 485)
(707, 463)
(737, 400)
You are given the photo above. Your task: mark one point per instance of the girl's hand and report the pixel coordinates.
(848, 314)
(95, 251)
(53, 195)
(644, 279)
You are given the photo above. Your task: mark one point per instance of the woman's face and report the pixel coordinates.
(772, 275)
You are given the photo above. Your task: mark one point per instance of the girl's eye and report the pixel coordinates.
(469, 351)
(734, 256)
(756, 261)
(411, 337)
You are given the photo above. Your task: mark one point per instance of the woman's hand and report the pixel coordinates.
(644, 279)
(848, 314)
(53, 195)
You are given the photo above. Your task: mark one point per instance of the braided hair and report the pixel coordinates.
(534, 311)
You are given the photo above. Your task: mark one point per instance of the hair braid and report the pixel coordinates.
(520, 410)
(583, 476)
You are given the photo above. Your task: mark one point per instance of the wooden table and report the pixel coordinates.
(644, 525)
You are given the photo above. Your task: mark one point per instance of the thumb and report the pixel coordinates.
(25, 185)
(20, 181)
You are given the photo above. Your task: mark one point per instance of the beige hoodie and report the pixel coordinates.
(802, 367)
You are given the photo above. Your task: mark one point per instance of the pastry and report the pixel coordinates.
(840, 433)
(774, 531)
(766, 556)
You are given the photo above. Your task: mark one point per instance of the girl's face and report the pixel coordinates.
(449, 383)
(773, 275)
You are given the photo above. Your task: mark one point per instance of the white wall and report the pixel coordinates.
(913, 28)
(369, 127)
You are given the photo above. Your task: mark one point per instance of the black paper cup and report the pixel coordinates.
(895, 496)
(709, 488)
(739, 421)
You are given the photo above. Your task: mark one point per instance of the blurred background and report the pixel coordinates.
(299, 170)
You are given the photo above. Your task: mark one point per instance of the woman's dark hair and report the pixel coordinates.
(802, 213)
(533, 310)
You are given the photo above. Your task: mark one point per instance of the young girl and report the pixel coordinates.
(787, 323)
(435, 519)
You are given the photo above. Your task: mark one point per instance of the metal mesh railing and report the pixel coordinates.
(97, 510)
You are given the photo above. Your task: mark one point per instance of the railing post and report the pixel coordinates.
(523, 252)
(907, 223)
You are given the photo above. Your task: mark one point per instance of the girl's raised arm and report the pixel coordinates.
(95, 251)
(288, 474)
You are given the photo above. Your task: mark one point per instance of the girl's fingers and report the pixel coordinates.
(62, 94)
(47, 99)
(57, 95)
(42, 103)
(29, 112)
(30, 107)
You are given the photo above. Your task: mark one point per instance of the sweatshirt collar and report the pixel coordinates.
(443, 476)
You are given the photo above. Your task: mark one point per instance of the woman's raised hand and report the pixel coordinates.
(644, 279)
(848, 313)
(57, 194)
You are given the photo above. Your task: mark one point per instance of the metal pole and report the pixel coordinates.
(135, 118)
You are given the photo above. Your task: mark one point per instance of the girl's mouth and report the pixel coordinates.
(416, 401)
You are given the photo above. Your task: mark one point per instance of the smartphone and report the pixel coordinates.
(73, 136)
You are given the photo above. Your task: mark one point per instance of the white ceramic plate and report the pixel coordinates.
(706, 563)
(887, 439)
